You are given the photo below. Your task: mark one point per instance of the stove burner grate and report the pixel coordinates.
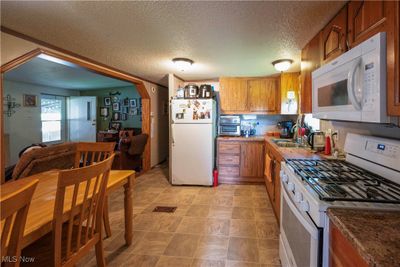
(339, 180)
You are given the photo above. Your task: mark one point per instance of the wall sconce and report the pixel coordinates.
(11, 105)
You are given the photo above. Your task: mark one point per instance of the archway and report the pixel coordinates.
(100, 69)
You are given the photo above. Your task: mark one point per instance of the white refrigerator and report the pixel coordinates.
(193, 133)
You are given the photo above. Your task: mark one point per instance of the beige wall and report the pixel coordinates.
(13, 47)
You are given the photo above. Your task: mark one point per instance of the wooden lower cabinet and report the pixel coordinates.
(341, 252)
(272, 178)
(240, 162)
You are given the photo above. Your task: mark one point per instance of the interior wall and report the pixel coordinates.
(159, 122)
(24, 126)
(133, 121)
(13, 47)
(360, 128)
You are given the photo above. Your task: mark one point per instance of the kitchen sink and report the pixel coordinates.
(286, 143)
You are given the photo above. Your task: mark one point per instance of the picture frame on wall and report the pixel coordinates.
(126, 101)
(116, 106)
(116, 116)
(104, 112)
(124, 116)
(133, 103)
(30, 100)
(115, 126)
(133, 111)
(107, 101)
(125, 109)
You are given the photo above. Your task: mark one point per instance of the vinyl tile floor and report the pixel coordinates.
(230, 225)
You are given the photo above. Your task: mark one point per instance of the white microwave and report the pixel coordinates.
(353, 86)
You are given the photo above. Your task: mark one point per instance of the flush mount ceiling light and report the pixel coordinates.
(182, 63)
(282, 64)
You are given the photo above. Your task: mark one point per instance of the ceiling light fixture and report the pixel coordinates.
(182, 63)
(282, 64)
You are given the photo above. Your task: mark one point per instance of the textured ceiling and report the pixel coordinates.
(44, 72)
(223, 38)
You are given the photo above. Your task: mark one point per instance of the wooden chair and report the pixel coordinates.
(15, 199)
(75, 233)
(86, 154)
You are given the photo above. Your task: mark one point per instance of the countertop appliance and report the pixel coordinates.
(368, 178)
(316, 140)
(353, 86)
(229, 125)
(191, 91)
(285, 128)
(205, 91)
(193, 141)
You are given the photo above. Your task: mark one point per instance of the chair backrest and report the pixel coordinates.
(88, 153)
(82, 191)
(138, 143)
(14, 201)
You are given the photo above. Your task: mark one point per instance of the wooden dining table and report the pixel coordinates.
(40, 214)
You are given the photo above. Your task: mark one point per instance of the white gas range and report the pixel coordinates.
(368, 178)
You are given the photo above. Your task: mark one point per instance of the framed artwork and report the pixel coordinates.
(126, 101)
(30, 100)
(125, 109)
(124, 116)
(133, 111)
(107, 101)
(115, 126)
(133, 103)
(104, 112)
(115, 106)
(116, 116)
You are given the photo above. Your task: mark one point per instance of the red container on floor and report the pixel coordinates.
(215, 174)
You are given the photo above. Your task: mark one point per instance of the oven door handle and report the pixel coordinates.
(304, 220)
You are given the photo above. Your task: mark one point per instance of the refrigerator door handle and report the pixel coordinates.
(172, 134)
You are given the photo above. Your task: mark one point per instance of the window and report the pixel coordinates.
(52, 117)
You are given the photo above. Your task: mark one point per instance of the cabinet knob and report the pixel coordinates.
(290, 186)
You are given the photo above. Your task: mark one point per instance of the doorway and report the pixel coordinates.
(56, 126)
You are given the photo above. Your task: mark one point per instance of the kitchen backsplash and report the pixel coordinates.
(360, 128)
(265, 122)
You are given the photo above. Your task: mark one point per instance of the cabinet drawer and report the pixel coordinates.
(229, 159)
(228, 171)
(229, 148)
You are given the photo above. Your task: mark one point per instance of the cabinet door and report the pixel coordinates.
(233, 95)
(269, 174)
(310, 60)
(252, 159)
(277, 189)
(334, 36)
(365, 19)
(262, 95)
(289, 82)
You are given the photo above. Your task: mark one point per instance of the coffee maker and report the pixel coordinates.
(285, 128)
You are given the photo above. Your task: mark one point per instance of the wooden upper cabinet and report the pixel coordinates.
(289, 82)
(263, 95)
(367, 18)
(252, 159)
(310, 61)
(334, 36)
(233, 94)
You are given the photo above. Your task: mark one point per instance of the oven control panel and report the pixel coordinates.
(382, 148)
